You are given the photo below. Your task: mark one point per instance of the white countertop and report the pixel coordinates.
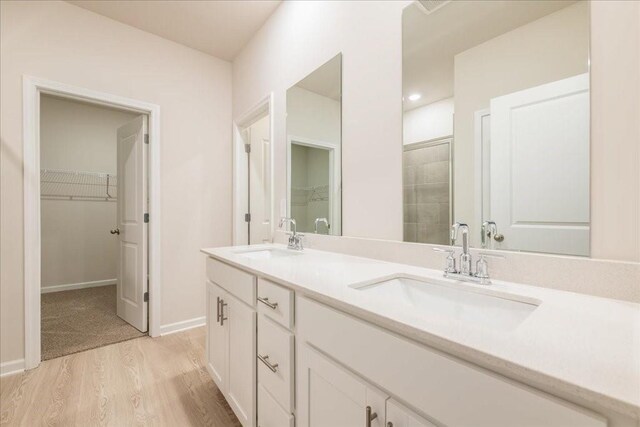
(573, 344)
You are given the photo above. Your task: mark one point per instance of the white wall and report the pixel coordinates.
(76, 244)
(548, 49)
(61, 42)
(300, 36)
(312, 116)
(428, 122)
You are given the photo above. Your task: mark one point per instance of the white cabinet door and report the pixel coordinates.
(241, 321)
(331, 396)
(217, 337)
(399, 416)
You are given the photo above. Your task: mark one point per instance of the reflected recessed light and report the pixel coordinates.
(414, 97)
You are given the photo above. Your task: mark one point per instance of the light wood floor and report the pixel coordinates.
(146, 381)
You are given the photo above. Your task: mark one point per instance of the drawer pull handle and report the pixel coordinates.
(265, 360)
(218, 311)
(370, 416)
(222, 306)
(265, 301)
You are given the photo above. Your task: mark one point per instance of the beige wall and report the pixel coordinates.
(76, 244)
(551, 48)
(368, 34)
(615, 130)
(57, 41)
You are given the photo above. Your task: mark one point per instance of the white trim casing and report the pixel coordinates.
(184, 325)
(32, 88)
(263, 107)
(73, 286)
(12, 367)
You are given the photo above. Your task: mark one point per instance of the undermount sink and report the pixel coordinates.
(268, 253)
(435, 299)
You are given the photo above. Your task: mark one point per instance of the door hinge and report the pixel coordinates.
(247, 148)
(247, 217)
(146, 297)
(146, 138)
(146, 217)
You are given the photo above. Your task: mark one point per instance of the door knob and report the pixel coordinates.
(498, 237)
(115, 231)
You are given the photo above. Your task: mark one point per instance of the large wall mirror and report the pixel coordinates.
(496, 123)
(314, 145)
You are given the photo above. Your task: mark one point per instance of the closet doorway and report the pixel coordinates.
(253, 177)
(139, 277)
(93, 191)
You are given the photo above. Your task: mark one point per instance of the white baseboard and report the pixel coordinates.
(11, 367)
(82, 285)
(182, 326)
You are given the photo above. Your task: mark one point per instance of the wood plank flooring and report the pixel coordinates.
(143, 382)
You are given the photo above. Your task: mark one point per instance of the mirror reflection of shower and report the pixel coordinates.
(427, 191)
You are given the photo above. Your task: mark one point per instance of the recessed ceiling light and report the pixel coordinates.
(414, 97)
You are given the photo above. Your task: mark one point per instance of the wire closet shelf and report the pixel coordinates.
(75, 185)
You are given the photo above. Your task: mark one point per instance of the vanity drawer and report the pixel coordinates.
(270, 414)
(275, 302)
(275, 346)
(239, 283)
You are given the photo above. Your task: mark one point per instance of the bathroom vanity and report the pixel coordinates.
(313, 338)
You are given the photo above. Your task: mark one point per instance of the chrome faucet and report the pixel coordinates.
(321, 220)
(295, 239)
(465, 257)
(481, 275)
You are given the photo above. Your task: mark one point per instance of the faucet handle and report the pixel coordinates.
(451, 261)
(482, 268)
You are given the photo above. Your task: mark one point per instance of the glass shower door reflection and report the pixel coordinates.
(427, 191)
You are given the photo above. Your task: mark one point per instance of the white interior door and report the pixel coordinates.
(540, 167)
(260, 181)
(132, 202)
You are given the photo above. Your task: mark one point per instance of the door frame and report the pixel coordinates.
(33, 88)
(481, 160)
(335, 178)
(262, 108)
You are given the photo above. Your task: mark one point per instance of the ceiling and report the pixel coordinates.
(431, 41)
(326, 80)
(220, 28)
